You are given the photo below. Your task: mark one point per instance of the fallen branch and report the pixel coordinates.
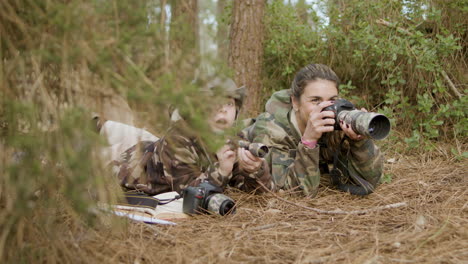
(160, 233)
(451, 85)
(339, 211)
(263, 227)
(388, 24)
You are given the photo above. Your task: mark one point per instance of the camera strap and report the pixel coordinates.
(338, 179)
(139, 199)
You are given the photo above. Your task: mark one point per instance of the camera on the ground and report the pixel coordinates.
(207, 198)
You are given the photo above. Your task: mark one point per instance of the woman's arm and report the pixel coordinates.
(297, 169)
(366, 160)
(292, 165)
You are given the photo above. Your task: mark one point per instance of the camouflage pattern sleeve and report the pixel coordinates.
(297, 169)
(366, 160)
(186, 163)
(292, 164)
(252, 182)
(157, 167)
(360, 162)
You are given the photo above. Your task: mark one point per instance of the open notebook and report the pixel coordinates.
(149, 211)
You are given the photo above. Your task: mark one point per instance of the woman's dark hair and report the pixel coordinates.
(309, 73)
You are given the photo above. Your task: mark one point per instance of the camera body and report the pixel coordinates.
(374, 125)
(207, 198)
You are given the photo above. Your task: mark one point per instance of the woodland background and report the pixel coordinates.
(130, 61)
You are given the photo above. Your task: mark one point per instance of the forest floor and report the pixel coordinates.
(431, 227)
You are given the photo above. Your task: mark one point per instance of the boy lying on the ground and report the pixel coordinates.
(180, 158)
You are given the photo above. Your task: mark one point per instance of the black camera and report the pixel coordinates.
(207, 198)
(374, 125)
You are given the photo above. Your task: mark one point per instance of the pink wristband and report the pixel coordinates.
(309, 143)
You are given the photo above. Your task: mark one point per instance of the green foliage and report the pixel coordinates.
(289, 45)
(386, 178)
(46, 176)
(347, 91)
(458, 155)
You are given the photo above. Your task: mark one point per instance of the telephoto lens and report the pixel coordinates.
(374, 125)
(370, 124)
(219, 203)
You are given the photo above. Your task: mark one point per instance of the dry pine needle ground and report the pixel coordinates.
(432, 228)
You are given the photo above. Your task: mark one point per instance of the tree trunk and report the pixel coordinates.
(162, 23)
(184, 37)
(246, 49)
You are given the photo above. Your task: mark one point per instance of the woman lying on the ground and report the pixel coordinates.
(304, 143)
(180, 158)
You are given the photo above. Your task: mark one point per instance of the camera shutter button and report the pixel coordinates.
(200, 194)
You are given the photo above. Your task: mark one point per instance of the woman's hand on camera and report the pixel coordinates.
(319, 121)
(226, 157)
(247, 161)
(348, 130)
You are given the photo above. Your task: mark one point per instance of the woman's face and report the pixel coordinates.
(223, 116)
(314, 93)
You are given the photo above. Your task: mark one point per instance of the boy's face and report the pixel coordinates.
(223, 116)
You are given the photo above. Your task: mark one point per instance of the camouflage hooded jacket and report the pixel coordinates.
(296, 166)
(176, 161)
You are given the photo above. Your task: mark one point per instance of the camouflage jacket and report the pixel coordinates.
(178, 160)
(295, 166)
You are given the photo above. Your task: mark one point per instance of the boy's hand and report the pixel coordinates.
(226, 158)
(247, 161)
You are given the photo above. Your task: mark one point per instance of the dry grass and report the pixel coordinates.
(433, 228)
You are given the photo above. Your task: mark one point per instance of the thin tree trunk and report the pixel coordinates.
(246, 49)
(184, 36)
(222, 34)
(336, 8)
(301, 8)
